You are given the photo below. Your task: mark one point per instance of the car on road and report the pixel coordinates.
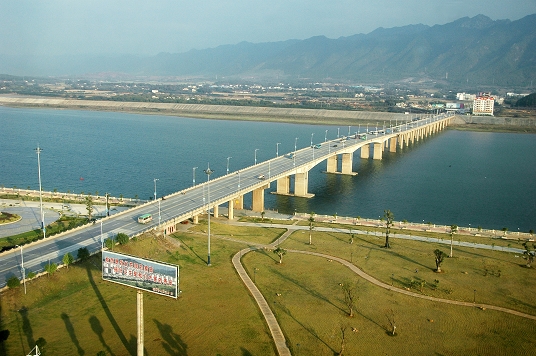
(261, 177)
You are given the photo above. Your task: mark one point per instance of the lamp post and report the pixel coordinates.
(256, 155)
(349, 130)
(338, 130)
(155, 188)
(22, 269)
(101, 237)
(238, 179)
(38, 150)
(295, 146)
(326, 136)
(277, 149)
(312, 139)
(194, 177)
(208, 171)
(228, 158)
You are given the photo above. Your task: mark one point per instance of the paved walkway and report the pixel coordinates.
(373, 280)
(273, 325)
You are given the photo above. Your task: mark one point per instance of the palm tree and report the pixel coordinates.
(311, 227)
(439, 257)
(280, 252)
(453, 230)
(262, 215)
(388, 216)
(530, 253)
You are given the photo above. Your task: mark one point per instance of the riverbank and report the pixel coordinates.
(265, 114)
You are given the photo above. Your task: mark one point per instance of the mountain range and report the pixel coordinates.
(475, 51)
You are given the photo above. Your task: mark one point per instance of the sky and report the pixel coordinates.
(148, 27)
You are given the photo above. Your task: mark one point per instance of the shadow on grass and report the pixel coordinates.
(172, 343)
(311, 292)
(109, 314)
(99, 330)
(245, 352)
(26, 327)
(70, 330)
(191, 249)
(265, 253)
(310, 330)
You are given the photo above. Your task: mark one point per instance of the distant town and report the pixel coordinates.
(332, 96)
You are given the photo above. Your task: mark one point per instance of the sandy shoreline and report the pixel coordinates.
(265, 114)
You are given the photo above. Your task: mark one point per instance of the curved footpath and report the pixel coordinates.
(273, 325)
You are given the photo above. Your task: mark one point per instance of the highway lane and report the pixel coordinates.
(180, 205)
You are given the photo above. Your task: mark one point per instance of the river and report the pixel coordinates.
(454, 177)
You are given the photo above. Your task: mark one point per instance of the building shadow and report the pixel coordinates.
(70, 330)
(172, 343)
(99, 330)
(109, 314)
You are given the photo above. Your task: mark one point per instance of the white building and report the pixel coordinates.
(483, 105)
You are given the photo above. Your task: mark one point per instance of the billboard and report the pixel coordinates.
(139, 273)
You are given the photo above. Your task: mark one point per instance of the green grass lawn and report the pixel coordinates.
(78, 313)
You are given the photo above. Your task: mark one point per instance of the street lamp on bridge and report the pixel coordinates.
(256, 155)
(194, 176)
(228, 158)
(155, 188)
(312, 139)
(326, 136)
(277, 149)
(208, 172)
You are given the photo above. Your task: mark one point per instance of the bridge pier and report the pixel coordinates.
(239, 202)
(215, 211)
(301, 184)
(332, 164)
(258, 198)
(378, 149)
(347, 161)
(392, 144)
(195, 219)
(230, 209)
(283, 186)
(365, 151)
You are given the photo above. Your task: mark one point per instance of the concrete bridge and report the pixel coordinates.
(290, 172)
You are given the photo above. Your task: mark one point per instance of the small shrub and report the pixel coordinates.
(109, 243)
(31, 275)
(122, 238)
(13, 282)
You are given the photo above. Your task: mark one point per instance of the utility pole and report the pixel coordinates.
(208, 172)
(38, 150)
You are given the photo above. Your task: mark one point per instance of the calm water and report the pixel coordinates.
(455, 177)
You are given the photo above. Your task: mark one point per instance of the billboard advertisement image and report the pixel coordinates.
(140, 273)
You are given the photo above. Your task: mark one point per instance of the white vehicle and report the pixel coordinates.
(261, 177)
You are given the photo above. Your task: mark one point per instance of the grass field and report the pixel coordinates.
(79, 314)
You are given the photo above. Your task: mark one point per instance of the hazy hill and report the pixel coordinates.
(474, 50)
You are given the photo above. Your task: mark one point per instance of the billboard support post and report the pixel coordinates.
(140, 322)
